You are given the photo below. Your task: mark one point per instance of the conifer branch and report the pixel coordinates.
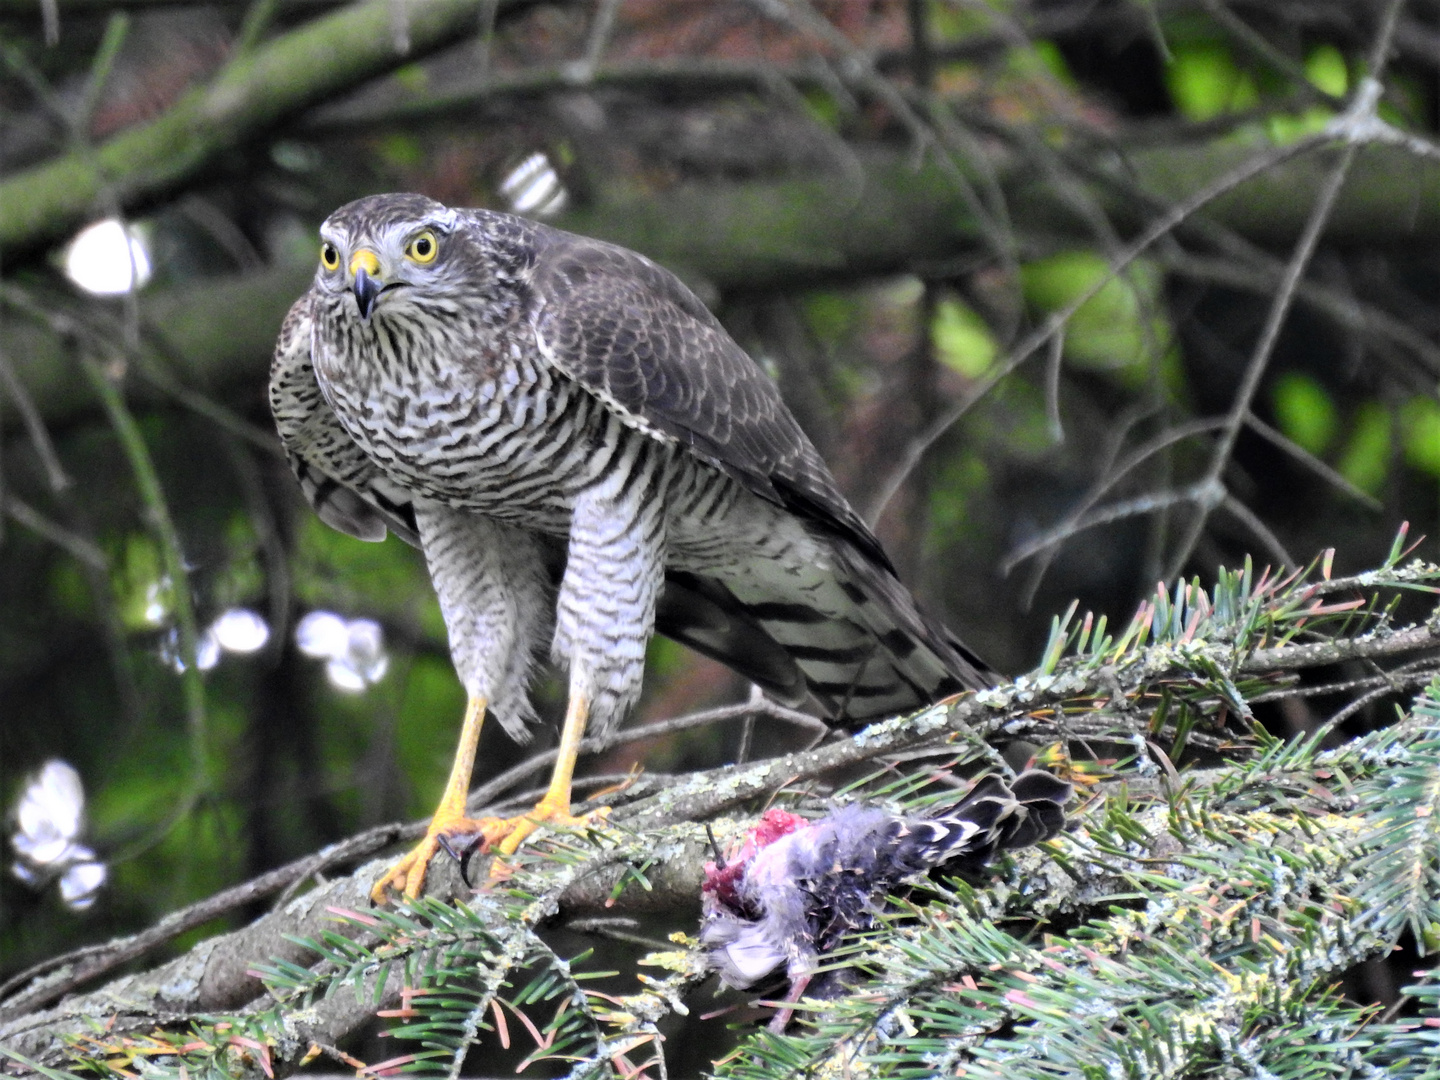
(1254, 862)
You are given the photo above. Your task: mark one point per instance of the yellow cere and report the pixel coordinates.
(367, 260)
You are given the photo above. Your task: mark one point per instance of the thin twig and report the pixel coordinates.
(1085, 516)
(617, 929)
(1311, 462)
(600, 30)
(1259, 47)
(1320, 654)
(1106, 466)
(1256, 272)
(258, 18)
(1369, 699)
(11, 387)
(1057, 321)
(1390, 681)
(202, 405)
(94, 960)
(1052, 389)
(83, 549)
(1265, 345)
(861, 71)
(1247, 517)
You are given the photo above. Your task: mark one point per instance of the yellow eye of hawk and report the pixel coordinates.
(329, 256)
(423, 248)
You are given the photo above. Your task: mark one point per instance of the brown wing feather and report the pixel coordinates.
(632, 334)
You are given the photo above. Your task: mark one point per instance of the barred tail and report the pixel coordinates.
(849, 639)
(994, 817)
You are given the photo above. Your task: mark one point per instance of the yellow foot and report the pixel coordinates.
(515, 831)
(623, 785)
(408, 875)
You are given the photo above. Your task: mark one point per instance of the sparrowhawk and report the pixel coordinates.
(584, 456)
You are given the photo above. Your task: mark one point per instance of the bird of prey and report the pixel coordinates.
(584, 456)
(793, 889)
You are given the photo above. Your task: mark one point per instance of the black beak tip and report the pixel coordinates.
(367, 291)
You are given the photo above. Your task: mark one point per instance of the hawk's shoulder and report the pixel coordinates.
(632, 334)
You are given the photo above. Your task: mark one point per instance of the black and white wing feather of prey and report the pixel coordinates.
(345, 488)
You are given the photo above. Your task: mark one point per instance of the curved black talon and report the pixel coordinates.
(463, 854)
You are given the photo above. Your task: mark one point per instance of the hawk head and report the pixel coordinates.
(386, 245)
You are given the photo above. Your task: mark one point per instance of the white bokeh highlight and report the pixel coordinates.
(80, 885)
(241, 630)
(157, 602)
(207, 652)
(49, 818)
(49, 814)
(108, 259)
(353, 649)
(237, 630)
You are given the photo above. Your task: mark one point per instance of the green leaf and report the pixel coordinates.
(1205, 83)
(1287, 128)
(1119, 329)
(822, 108)
(962, 340)
(143, 595)
(1327, 69)
(1366, 459)
(412, 77)
(1420, 431)
(1304, 412)
(831, 315)
(1052, 60)
(958, 485)
(401, 150)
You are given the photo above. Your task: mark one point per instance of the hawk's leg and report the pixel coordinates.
(605, 613)
(494, 592)
(408, 875)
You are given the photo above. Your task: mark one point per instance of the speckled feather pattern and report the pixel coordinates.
(346, 488)
(573, 404)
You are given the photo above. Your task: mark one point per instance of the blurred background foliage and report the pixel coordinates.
(882, 200)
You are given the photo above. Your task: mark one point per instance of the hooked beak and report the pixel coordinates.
(368, 286)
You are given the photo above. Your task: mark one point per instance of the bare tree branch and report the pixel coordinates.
(253, 93)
